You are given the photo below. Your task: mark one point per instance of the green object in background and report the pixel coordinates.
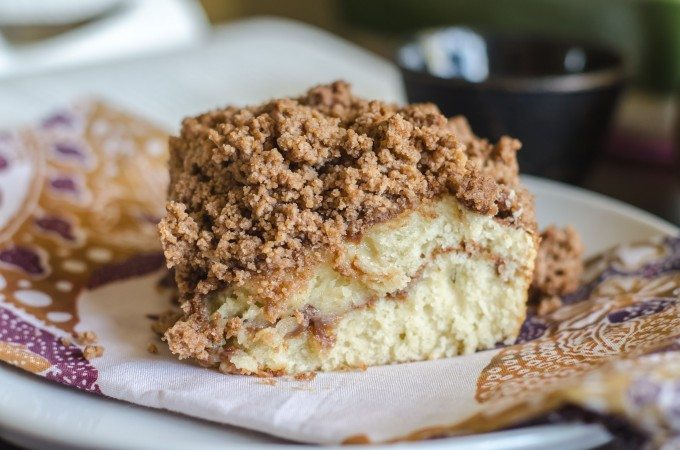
(659, 56)
(645, 32)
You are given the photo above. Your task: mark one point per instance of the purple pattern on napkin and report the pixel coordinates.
(58, 119)
(134, 266)
(654, 269)
(56, 225)
(532, 328)
(69, 366)
(635, 310)
(23, 258)
(69, 150)
(63, 184)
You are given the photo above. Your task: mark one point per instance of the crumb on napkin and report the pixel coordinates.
(93, 351)
(559, 264)
(305, 376)
(85, 337)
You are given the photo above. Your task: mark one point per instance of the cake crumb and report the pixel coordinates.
(85, 337)
(93, 351)
(267, 381)
(559, 264)
(151, 348)
(65, 341)
(305, 376)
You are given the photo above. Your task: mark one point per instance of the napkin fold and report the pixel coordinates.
(80, 194)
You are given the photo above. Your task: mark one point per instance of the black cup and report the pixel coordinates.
(556, 97)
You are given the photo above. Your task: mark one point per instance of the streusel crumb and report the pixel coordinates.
(85, 337)
(559, 264)
(260, 190)
(93, 351)
(305, 376)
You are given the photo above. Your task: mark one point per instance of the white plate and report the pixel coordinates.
(34, 412)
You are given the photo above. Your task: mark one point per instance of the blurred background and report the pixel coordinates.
(589, 86)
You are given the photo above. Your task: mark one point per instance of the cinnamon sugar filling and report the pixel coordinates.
(320, 326)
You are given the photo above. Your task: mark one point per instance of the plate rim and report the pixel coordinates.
(601, 201)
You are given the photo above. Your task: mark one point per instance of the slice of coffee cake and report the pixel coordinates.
(329, 232)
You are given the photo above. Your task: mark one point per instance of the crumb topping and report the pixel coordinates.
(305, 376)
(559, 264)
(256, 191)
(498, 191)
(85, 337)
(93, 351)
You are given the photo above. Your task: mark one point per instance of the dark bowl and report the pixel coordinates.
(556, 97)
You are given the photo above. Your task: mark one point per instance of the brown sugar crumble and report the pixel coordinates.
(259, 190)
(93, 351)
(85, 337)
(559, 265)
(151, 348)
(305, 376)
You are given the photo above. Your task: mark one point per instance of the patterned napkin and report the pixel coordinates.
(80, 266)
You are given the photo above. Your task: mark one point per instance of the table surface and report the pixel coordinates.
(285, 58)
